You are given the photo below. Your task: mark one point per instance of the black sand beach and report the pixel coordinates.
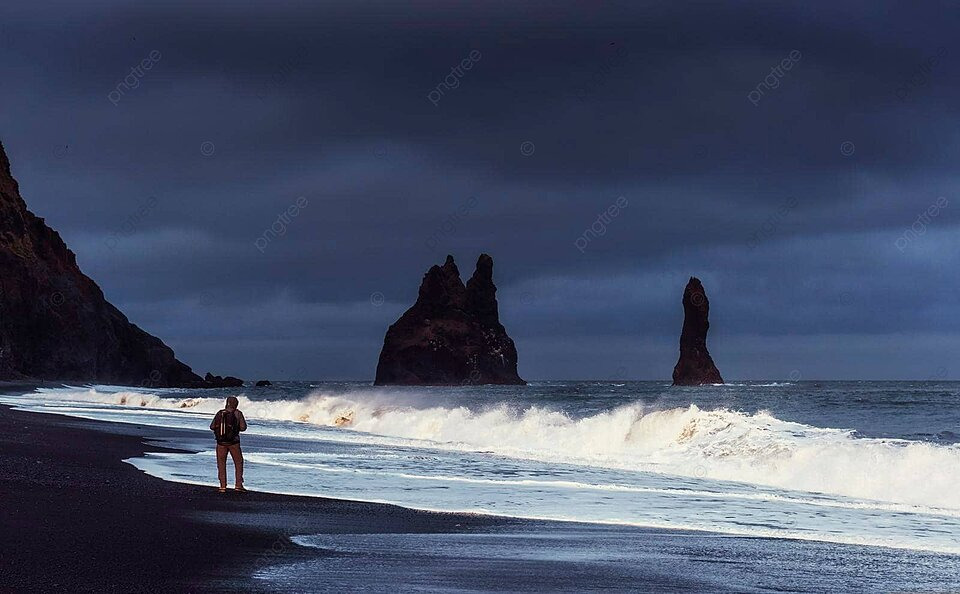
(74, 517)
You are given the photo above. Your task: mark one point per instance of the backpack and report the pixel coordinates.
(227, 427)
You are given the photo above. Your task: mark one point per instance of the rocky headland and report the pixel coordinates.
(56, 324)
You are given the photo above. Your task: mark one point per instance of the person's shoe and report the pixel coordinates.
(239, 489)
(222, 490)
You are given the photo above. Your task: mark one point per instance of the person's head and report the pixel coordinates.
(232, 403)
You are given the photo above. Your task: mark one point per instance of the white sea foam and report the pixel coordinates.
(718, 444)
(280, 460)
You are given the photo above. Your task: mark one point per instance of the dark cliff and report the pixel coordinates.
(55, 323)
(452, 335)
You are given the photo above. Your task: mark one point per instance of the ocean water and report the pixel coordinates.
(870, 464)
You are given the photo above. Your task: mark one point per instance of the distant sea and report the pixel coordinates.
(866, 464)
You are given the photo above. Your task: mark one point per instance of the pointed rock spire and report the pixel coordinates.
(482, 293)
(441, 287)
(695, 366)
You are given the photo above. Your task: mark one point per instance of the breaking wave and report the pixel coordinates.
(720, 444)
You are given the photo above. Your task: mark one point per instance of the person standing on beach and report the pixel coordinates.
(226, 427)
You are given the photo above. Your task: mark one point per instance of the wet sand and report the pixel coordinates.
(74, 517)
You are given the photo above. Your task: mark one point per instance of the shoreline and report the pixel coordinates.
(167, 438)
(77, 516)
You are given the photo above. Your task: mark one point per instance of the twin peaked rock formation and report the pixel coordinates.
(55, 323)
(452, 335)
(695, 366)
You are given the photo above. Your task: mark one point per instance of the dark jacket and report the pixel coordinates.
(240, 419)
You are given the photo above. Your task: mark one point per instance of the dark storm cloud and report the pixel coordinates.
(789, 204)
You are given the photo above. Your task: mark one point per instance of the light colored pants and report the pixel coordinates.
(237, 456)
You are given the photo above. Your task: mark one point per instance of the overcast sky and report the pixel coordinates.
(787, 191)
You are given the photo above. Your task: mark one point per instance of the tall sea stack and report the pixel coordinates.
(452, 335)
(695, 366)
(55, 323)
